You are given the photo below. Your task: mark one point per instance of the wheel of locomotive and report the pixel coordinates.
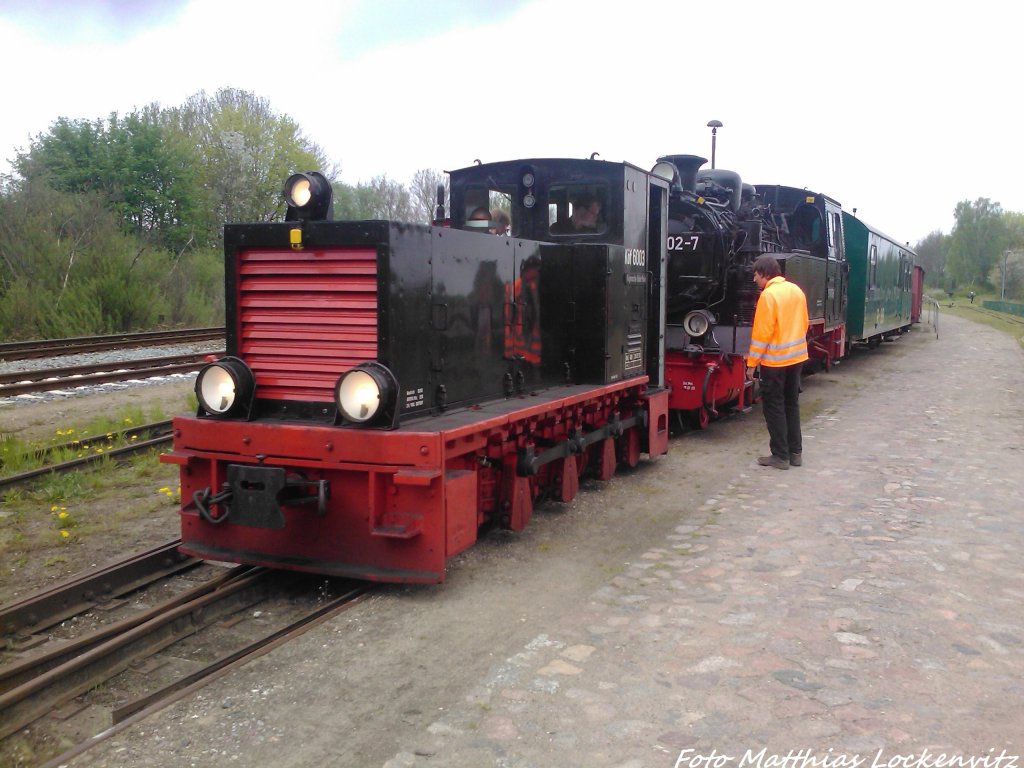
(583, 460)
(629, 447)
(681, 421)
(699, 418)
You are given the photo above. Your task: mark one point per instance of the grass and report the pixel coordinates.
(67, 508)
(960, 306)
(17, 455)
(62, 509)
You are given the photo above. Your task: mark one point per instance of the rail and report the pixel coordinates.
(49, 379)
(49, 681)
(47, 607)
(24, 350)
(157, 433)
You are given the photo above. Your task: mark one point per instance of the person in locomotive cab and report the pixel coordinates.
(586, 210)
(778, 343)
(479, 220)
(500, 220)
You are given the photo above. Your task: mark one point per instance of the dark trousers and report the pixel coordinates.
(780, 401)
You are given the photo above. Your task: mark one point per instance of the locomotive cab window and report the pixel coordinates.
(805, 227)
(577, 209)
(489, 209)
(835, 226)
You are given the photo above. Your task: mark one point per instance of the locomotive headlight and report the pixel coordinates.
(367, 394)
(308, 196)
(698, 323)
(665, 170)
(299, 192)
(225, 387)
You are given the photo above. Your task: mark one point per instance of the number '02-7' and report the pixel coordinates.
(682, 242)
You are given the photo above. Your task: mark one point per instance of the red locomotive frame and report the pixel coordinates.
(402, 502)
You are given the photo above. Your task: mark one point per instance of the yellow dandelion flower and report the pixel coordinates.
(128, 420)
(135, 437)
(53, 508)
(64, 534)
(165, 489)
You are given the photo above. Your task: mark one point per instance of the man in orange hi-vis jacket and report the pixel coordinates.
(778, 343)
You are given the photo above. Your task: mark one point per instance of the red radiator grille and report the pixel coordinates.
(305, 317)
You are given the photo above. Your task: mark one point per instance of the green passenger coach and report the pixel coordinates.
(880, 283)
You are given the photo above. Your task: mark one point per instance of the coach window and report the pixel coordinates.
(577, 209)
(872, 266)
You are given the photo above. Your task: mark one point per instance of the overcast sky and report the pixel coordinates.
(901, 110)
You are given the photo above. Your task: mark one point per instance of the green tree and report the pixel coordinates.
(1008, 274)
(423, 193)
(70, 269)
(381, 198)
(116, 224)
(244, 152)
(931, 254)
(391, 199)
(353, 203)
(978, 239)
(143, 175)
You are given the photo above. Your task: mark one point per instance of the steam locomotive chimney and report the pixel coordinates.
(687, 165)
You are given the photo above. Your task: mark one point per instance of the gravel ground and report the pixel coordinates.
(382, 675)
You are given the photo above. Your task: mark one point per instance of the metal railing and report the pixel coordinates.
(932, 307)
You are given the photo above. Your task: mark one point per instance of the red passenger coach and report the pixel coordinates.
(391, 388)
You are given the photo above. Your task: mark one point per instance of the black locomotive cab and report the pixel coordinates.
(716, 228)
(596, 273)
(810, 227)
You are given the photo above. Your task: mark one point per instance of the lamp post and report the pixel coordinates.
(714, 125)
(1002, 288)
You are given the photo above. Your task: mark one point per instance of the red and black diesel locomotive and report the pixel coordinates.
(390, 389)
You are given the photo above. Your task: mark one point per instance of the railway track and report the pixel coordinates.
(1004, 316)
(126, 666)
(141, 438)
(26, 350)
(49, 379)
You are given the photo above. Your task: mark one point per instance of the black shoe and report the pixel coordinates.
(796, 459)
(773, 461)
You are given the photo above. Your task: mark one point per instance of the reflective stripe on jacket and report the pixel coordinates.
(779, 335)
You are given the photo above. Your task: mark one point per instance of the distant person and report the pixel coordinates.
(778, 344)
(970, 296)
(586, 211)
